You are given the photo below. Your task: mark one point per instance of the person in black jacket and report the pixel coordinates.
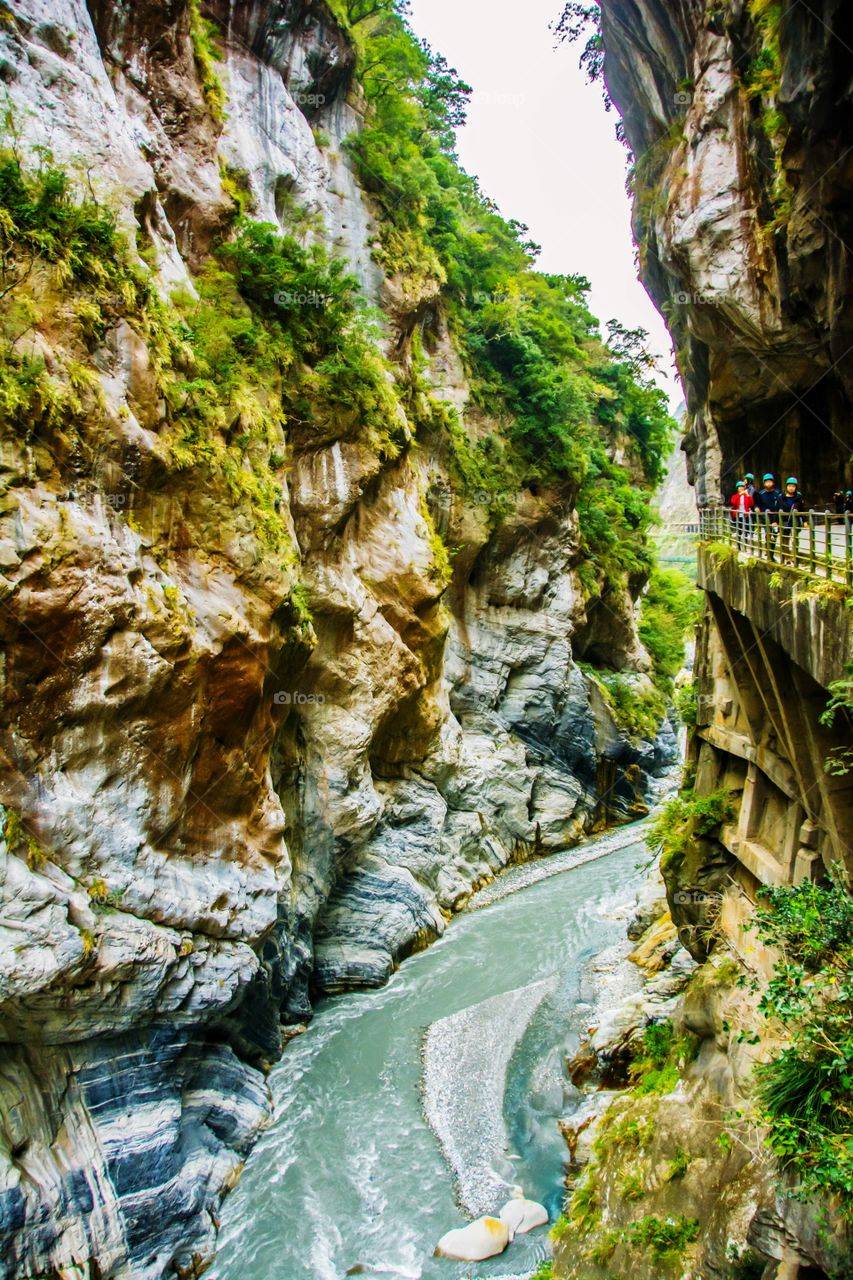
(792, 500)
(768, 503)
(848, 502)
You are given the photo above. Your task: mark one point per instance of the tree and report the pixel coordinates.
(444, 96)
(360, 10)
(631, 346)
(579, 21)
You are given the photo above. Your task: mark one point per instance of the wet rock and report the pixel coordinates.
(644, 917)
(481, 1239)
(522, 1215)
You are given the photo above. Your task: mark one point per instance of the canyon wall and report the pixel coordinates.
(740, 120)
(219, 801)
(739, 116)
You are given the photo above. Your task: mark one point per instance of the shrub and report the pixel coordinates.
(40, 218)
(661, 1059)
(685, 817)
(583, 1212)
(631, 1186)
(19, 839)
(839, 762)
(545, 1271)
(805, 1089)
(665, 1239)
(52, 242)
(603, 1250)
(203, 35)
(627, 1132)
(677, 1166)
(687, 704)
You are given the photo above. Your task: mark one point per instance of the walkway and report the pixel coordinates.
(815, 543)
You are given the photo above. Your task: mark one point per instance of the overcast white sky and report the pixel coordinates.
(544, 148)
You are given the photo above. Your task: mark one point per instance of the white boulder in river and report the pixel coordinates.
(481, 1239)
(523, 1215)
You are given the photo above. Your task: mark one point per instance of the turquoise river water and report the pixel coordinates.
(403, 1112)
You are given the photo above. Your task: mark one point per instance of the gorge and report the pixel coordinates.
(328, 596)
(295, 594)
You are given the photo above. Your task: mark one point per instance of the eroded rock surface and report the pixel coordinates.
(215, 808)
(740, 117)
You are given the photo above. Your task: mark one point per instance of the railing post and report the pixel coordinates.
(848, 550)
(813, 544)
(795, 537)
(827, 522)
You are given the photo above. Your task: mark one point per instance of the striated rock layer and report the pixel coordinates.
(214, 807)
(741, 119)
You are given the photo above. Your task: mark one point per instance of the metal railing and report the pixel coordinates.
(814, 542)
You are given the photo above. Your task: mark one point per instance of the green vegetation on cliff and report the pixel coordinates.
(670, 608)
(805, 1089)
(684, 818)
(839, 709)
(203, 36)
(243, 362)
(272, 337)
(73, 243)
(535, 358)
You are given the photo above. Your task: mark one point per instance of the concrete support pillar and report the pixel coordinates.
(750, 808)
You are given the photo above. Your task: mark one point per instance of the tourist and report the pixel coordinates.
(768, 503)
(750, 484)
(792, 500)
(838, 500)
(848, 502)
(742, 508)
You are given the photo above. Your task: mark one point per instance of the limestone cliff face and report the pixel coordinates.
(215, 807)
(680, 1152)
(740, 118)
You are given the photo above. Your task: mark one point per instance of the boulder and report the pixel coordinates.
(481, 1239)
(522, 1215)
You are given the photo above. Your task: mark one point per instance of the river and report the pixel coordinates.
(402, 1112)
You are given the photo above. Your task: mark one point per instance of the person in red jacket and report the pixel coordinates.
(742, 508)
